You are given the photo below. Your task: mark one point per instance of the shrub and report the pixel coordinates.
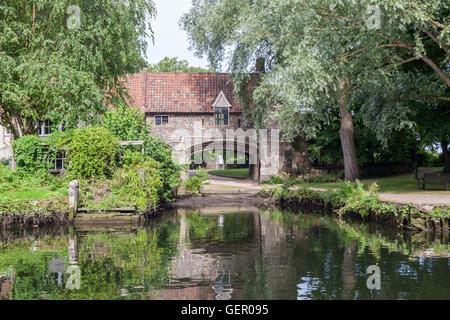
(195, 183)
(274, 180)
(157, 149)
(91, 153)
(129, 124)
(126, 123)
(31, 154)
(139, 183)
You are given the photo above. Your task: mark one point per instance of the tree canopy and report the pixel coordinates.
(174, 65)
(322, 56)
(62, 60)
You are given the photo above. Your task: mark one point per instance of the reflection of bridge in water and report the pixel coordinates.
(219, 269)
(241, 253)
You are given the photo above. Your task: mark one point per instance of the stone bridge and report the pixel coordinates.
(267, 155)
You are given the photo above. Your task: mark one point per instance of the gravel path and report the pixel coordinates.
(246, 186)
(421, 199)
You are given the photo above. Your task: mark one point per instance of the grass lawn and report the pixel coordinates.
(394, 184)
(234, 173)
(39, 193)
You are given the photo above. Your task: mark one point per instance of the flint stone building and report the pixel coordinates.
(176, 102)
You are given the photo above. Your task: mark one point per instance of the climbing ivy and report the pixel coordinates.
(91, 153)
(31, 153)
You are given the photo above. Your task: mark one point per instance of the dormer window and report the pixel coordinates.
(221, 116)
(221, 110)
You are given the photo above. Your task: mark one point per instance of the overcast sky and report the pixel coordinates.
(170, 40)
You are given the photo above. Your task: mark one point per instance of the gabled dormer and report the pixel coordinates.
(221, 108)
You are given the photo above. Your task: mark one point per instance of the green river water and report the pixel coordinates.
(225, 253)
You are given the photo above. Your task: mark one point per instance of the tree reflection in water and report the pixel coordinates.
(225, 253)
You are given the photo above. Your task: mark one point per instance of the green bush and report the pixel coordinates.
(139, 183)
(170, 171)
(195, 183)
(91, 153)
(126, 123)
(129, 124)
(274, 180)
(31, 154)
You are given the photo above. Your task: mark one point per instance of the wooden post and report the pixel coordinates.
(73, 199)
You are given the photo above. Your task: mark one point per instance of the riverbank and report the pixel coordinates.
(268, 252)
(353, 201)
(222, 192)
(34, 213)
(43, 213)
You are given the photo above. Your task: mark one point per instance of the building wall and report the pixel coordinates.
(187, 121)
(5, 144)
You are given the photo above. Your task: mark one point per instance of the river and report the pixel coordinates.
(226, 253)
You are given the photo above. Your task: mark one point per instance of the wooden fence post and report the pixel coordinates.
(73, 199)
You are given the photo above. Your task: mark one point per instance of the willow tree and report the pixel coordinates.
(62, 60)
(324, 55)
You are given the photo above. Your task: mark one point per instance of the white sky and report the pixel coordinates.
(170, 40)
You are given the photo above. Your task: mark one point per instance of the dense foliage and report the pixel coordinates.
(110, 176)
(139, 182)
(126, 123)
(174, 65)
(194, 184)
(31, 154)
(326, 61)
(59, 62)
(91, 153)
(129, 124)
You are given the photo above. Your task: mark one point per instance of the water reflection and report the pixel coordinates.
(225, 253)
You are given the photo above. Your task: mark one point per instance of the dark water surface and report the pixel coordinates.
(225, 253)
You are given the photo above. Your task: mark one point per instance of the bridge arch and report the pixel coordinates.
(220, 146)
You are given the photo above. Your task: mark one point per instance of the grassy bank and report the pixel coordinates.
(394, 184)
(353, 200)
(25, 185)
(232, 173)
(38, 193)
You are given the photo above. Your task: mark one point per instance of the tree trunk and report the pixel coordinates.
(348, 271)
(347, 140)
(446, 153)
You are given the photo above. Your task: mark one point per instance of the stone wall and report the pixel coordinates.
(187, 121)
(284, 160)
(5, 144)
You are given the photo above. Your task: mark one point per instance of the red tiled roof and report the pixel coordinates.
(179, 92)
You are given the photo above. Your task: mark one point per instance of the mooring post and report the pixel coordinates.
(73, 199)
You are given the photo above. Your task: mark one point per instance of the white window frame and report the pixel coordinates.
(228, 117)
(42, 129)
(228, 106)
(161, 123)
(7, 132)
(60, 155)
